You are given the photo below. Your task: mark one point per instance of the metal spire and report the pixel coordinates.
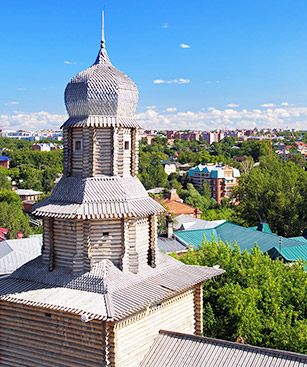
(103, 40)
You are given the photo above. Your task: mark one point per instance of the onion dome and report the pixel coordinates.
(101, 94)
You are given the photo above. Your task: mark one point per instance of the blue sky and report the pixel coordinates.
(198, 64)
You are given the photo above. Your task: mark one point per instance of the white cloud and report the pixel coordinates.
(31, 121)
(171, 109)
(173, 81)
(21, 89)
(285, 104)
(153, 107)
(165, 25)
(232, 105)
(68, 62)
(268, 105)
(152, 118)
(185, 45)
(229, 118)
(12, 103)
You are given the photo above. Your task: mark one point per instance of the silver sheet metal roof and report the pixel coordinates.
(169, 245)
(98, 197)
(20, 252)
(172, 349)
(105, 293)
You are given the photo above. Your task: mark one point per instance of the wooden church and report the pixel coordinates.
(100, 292)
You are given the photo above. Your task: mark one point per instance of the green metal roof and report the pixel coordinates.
(300, 239)
(196, 237)
(262, 227)
(244, 237)
(294, 253)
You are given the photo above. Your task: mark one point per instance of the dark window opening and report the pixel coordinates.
(105, 234)
(78, 145)
(127, 145)
(48, 314)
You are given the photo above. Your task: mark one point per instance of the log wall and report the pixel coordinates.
(64, 242)
(106, 241)
(135, 335)
(34, 337)
(103, 161)
(77, 155)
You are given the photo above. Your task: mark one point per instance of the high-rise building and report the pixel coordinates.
(101, 291)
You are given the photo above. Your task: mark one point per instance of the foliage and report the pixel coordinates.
(259, 300)
(275, 192)
(4, 181)
(31, 169)
(11, 214)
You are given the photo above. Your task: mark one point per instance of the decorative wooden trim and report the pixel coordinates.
(198, 309)
(110, 343)
(51, 244)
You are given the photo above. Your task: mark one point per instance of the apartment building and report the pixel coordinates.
(221, 179)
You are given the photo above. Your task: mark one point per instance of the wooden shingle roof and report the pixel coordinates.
(172, 349)
(98, 197)
(105, 293)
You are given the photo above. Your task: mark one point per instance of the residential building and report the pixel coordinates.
(101, 291)
(169, 166)
(221, 179)
(44, 147)
(214, 136)
(29, 195)
(175, 205)
(192, 232)
(4, 162)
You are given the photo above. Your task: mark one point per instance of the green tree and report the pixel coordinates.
(275, 192)
(258, 300)
(4, 181)
(11, 214)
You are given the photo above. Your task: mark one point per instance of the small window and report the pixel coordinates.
(77, 145)
(127, 145)
(105, 234)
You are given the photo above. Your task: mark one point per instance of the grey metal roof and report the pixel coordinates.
(98, 197)
(172, 349)
(104, 293)
(169, 245)
(101, 90)
(21, 252)
(187, 222)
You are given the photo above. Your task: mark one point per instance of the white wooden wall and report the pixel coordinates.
(106, 241)
(135, 336)
(64, 239)
(142, 242)
(34, 337)
(103, 152)
(77, 156)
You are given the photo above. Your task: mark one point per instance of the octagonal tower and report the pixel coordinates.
(100, 210)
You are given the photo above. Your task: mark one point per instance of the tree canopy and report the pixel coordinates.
(276, 192)
(258, 300)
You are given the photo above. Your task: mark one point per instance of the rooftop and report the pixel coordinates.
(99, 294)
(16, 253)
(172, 349)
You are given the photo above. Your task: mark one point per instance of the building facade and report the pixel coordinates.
(221, 179)
(101, 291)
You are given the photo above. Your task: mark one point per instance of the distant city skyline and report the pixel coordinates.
(201, 65)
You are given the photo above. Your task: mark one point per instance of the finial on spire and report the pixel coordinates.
(103, 40)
